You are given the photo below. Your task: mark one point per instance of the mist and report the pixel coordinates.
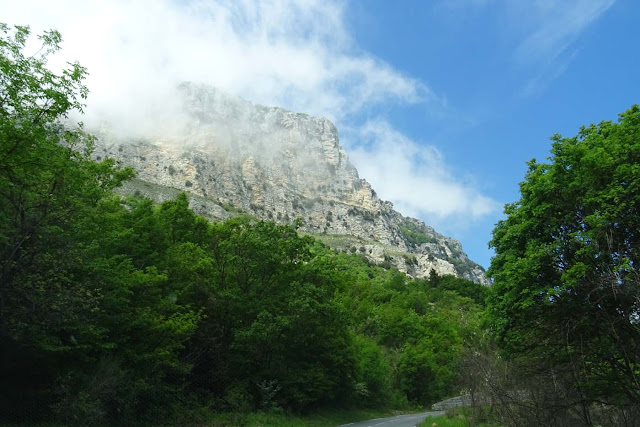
(294, 54)
(289, 53)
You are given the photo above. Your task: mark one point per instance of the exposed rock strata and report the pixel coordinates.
(233, 157)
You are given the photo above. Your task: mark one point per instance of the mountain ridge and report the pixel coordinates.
(235, 157)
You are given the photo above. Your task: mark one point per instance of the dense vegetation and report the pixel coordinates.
(565, 305)
(117, 310)
(414, 235)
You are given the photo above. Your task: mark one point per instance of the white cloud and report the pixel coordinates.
(292, 53)
(549, 30)
(541, 35)
(553, 26)
(415, 176)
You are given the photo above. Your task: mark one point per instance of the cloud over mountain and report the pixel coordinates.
(292, 53)
(415, 177)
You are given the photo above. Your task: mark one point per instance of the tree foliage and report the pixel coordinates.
(566, 272)
(118, 311)
(47, 180)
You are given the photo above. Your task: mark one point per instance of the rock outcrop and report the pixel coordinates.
(236, 157)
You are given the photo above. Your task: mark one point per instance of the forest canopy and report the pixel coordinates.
(119, 310)
(566, 292)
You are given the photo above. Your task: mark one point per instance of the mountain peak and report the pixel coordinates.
(233, 156)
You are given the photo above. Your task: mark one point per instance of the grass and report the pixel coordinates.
(337, 240)
(326, 418)
(329, 417)
(459, 417)
(320, 419)
(444, 421)
(345, 241)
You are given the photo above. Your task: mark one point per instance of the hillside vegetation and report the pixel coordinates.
(120, 310)
(117, 310)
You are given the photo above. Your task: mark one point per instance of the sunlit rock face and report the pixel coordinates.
(234, 157)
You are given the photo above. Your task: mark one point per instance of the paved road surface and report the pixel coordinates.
(399, 421)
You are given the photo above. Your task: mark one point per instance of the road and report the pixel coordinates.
(399, 421)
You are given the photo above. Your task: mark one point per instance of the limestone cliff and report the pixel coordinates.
(236, 157)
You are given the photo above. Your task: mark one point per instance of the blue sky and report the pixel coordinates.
(509, 78)
(438, 103)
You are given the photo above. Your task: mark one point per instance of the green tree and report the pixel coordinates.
(47, 180)
(82, 330)
(270, 316)
(373, 373)
(567, 265)
(462, 287)
(120, 311)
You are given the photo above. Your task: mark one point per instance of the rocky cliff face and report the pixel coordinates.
(235, 157)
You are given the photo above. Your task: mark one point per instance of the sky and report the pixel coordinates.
(438, 103)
